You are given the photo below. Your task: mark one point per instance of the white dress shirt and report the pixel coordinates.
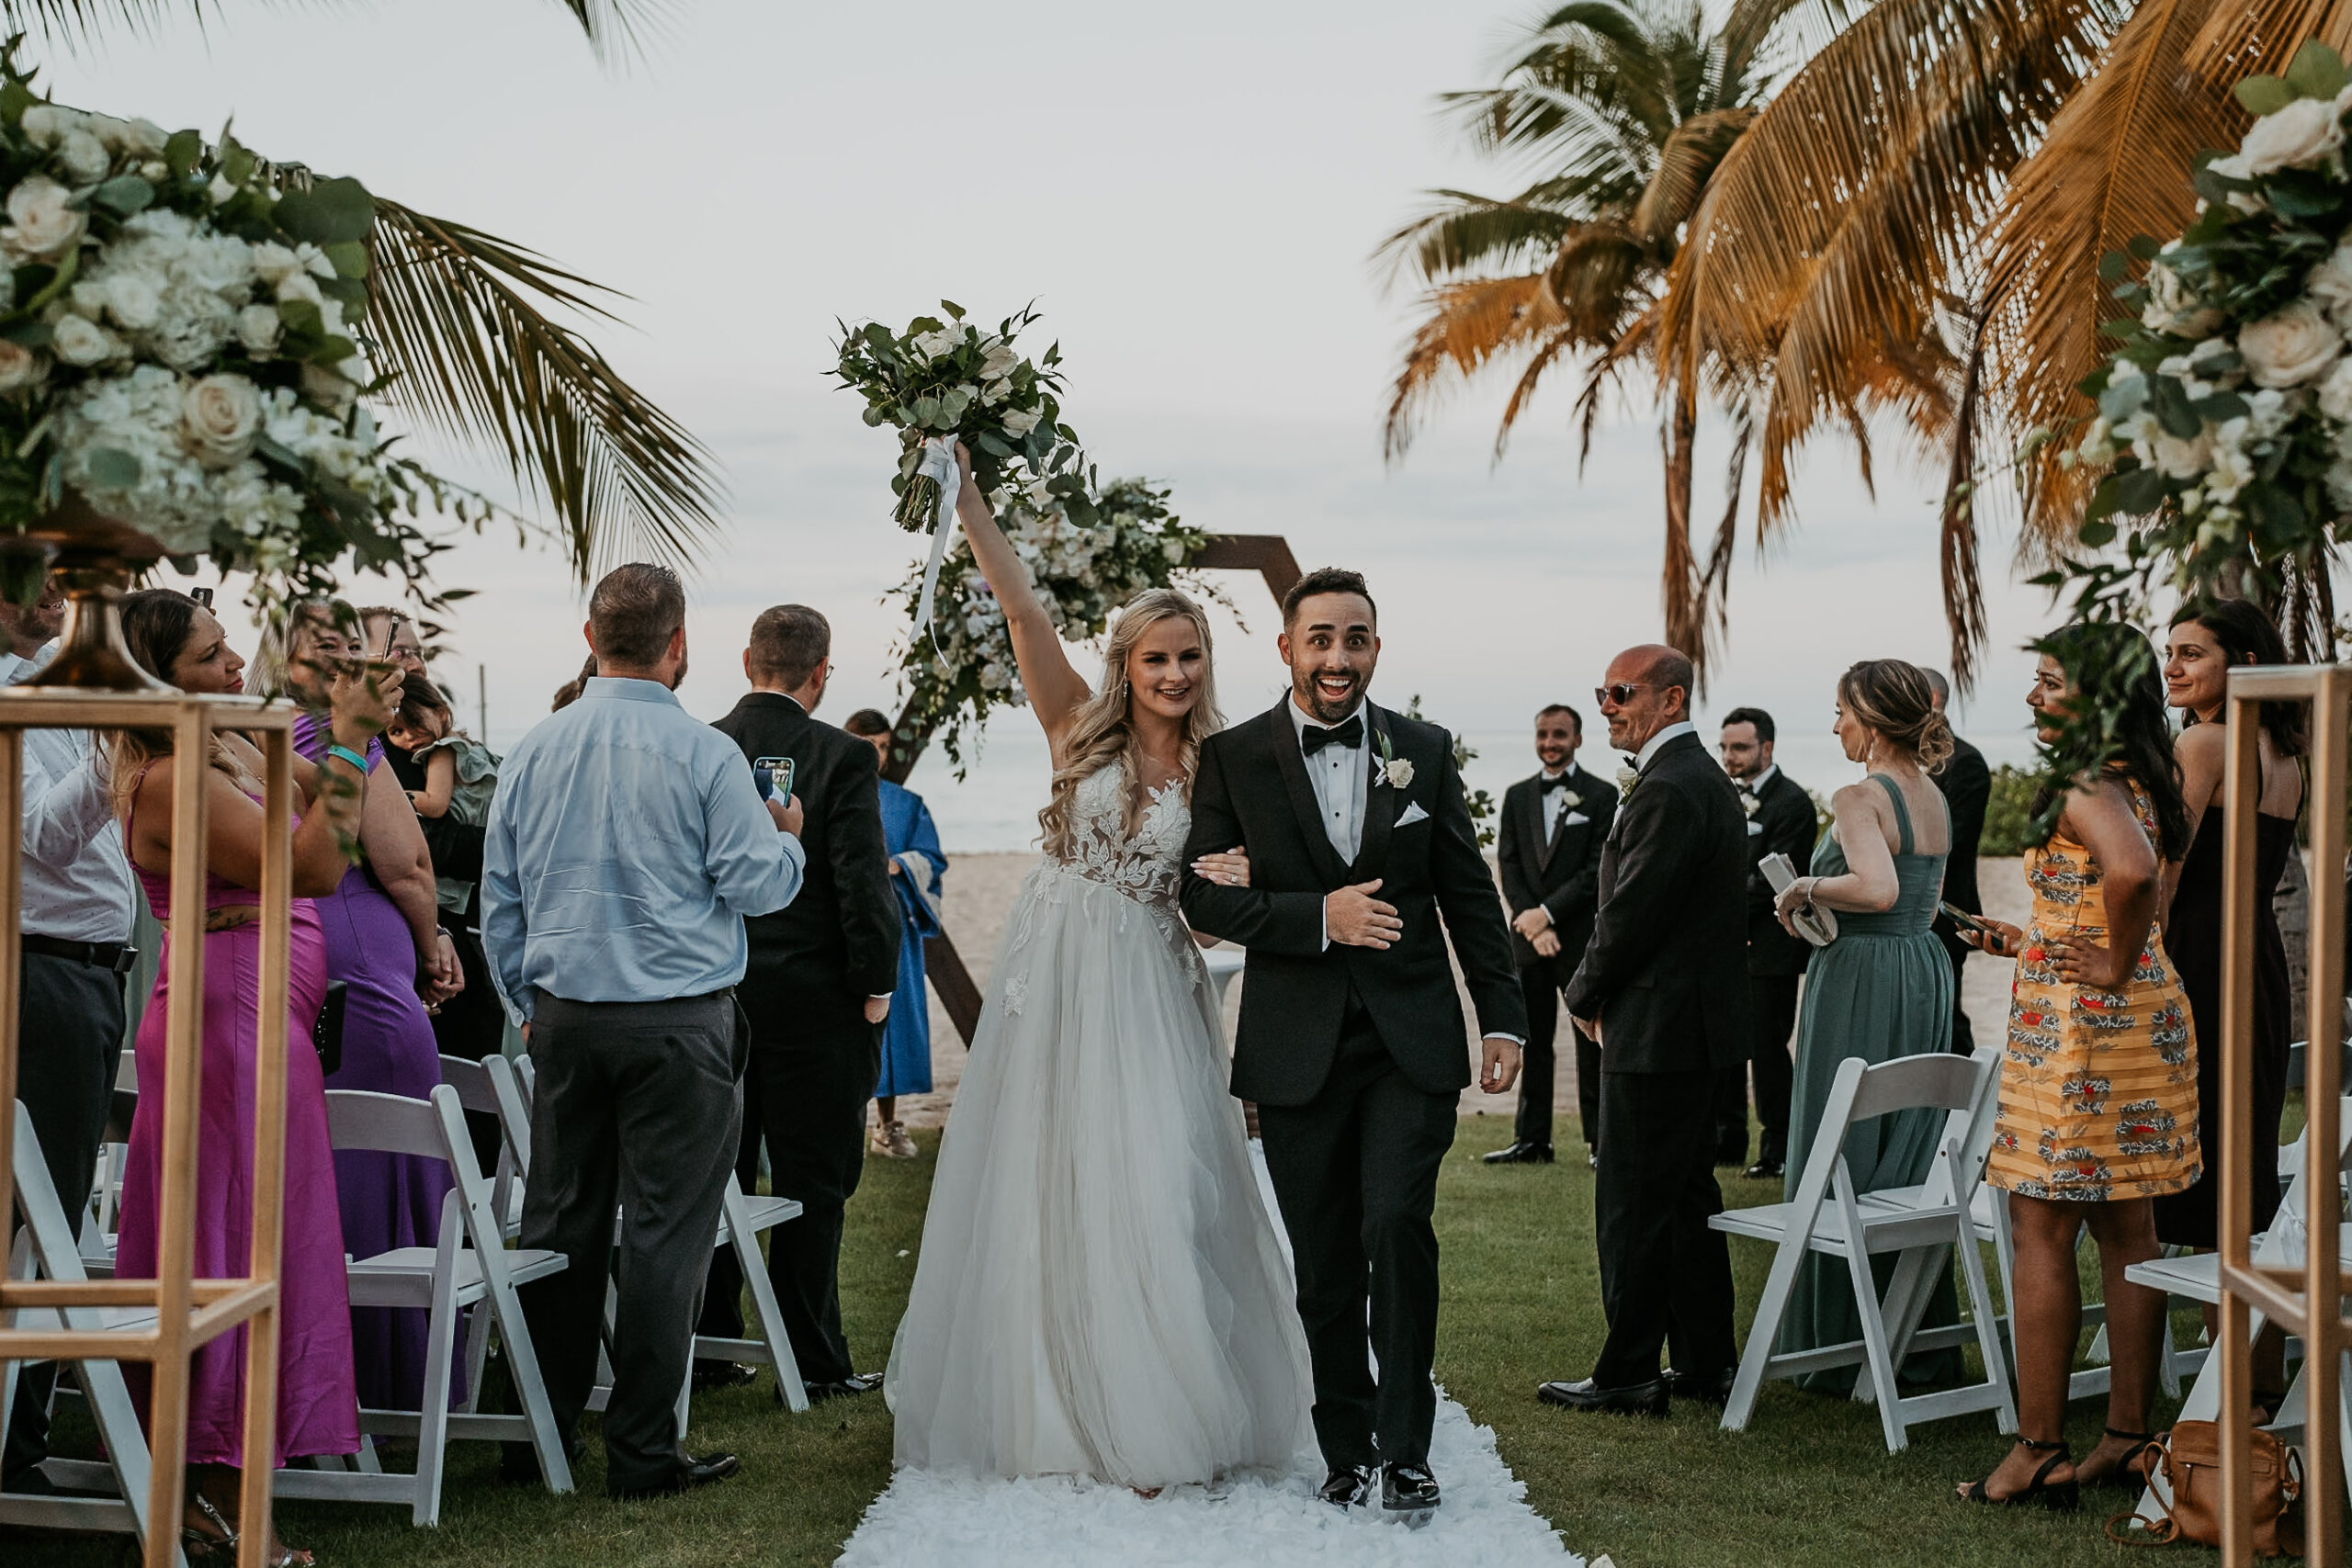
(1342, 778)
(77, 883)
(1555, 801)
(1657, 743)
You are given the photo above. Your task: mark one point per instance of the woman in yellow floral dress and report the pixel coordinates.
(2098, 1110)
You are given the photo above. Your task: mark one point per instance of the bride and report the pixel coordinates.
(1099, 1292)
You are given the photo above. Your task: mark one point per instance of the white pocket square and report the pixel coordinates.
(1754, 828)
(1413, 813)
(1574, 820)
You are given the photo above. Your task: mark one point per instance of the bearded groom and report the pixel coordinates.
(1351, 1040)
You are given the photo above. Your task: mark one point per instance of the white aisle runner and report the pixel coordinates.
(962, 1521)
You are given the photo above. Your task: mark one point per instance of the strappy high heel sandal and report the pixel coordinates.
(2124, 1476)
(201, 1545)
(2063, 1498)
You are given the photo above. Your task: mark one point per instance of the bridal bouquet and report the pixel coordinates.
(180, 349)
(952, 381)
(1081, 570)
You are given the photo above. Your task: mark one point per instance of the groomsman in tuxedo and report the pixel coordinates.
(1780, 820)
(1553, 825)
(815, 993)
(1967, 784)
(1663, 991)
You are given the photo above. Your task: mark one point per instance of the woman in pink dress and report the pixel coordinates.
(318, 1412)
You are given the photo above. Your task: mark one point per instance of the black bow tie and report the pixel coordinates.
(1313, 738)
(1560, 782)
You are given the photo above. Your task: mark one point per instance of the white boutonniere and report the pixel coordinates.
(1749, 804)
(1627, 777)
(1396, 772)
(1572, 799)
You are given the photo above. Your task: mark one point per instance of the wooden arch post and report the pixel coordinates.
(1269, 554)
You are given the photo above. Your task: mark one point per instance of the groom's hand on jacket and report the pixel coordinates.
(1354, 918)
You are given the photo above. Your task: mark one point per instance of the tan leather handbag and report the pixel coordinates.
(2191, 1457)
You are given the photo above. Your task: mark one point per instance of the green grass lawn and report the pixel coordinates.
(1809, 1483)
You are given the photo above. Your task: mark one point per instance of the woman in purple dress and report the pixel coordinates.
(179, 641)
(383, 941)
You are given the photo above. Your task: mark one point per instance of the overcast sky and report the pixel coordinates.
(1190, 194)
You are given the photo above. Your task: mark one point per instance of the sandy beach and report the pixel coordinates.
(980, 890)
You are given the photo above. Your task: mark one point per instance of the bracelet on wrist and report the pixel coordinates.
(345, 753)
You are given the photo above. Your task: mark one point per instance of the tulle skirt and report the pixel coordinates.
(1100, 1290)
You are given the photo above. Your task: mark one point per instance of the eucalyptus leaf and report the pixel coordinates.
(332, 212)
(124, 195)
(2317, 71)
(2260, 95)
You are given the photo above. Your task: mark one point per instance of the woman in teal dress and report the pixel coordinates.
(1881, 990)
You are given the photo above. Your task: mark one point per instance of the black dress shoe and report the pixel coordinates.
(694, 1473)
(711, 1376)
(1638, 1399)
(1348, 1486)
(1765, 1170)
(1521, 1154)
(1708, 1388)
(846, 1388)
(1408, 1493)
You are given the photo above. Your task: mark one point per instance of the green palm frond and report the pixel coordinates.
(615, 29)
(1464, 232)
(458, 318)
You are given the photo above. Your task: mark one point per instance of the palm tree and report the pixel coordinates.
(1962, 163)
(462, 327)
(1626, 108)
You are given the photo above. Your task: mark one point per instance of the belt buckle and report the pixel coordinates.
(126, 959)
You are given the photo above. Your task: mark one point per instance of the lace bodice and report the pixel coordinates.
(1145, 867)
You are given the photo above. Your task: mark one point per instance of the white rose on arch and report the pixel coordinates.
(219, 416)
(2292, 346)
(2302, 132)
(77, 340)
(2330, 283)
(2171, 308)
(42, 225)
(1020, 422)
(19, 368)
(2179, 459)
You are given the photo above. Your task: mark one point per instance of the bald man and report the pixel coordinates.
(1663, 990)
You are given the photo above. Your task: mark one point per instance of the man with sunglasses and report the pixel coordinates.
(1663, 991)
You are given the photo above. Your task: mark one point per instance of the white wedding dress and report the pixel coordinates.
(1101, 1292)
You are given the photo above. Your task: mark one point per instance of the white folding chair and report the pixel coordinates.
(470, 1267)
(2198, 1278)
(741, 1218)
(1922, 1226)
(45, 1248)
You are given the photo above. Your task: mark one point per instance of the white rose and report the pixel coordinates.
(77, 340)
(2237, 168)
(2295, 346)
(2179, 459)
(84, 157)
(219, 416)
(2335, 393)
(1000, 362)
(258, 327)
(2302, 132)
(2331, 282)
(2172, 309)
(300, 286)
(41, 226)
(133, 301)
(938, 344)
(45, 125)
(274, 264)
(2233, 469)
(328, 390)
(19, 366)
(1020, 422)
(145, 139)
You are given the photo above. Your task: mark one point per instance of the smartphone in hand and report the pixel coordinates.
(1964, 919)
(774, 775)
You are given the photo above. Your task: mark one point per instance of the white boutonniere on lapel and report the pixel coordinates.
(1396, 772)
(1571, 800)
(1627, 777)
(1749, 804)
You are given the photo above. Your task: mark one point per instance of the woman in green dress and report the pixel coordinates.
(1881, 990)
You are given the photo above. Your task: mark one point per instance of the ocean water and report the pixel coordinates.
(993, 808)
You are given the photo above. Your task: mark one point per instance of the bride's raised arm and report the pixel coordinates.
(1056, 689)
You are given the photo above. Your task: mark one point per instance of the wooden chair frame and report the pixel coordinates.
(190, 1312)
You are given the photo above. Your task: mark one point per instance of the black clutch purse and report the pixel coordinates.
(326, 1035)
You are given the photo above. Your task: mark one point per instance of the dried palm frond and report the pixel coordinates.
(2251, 36)
(1463, 231)
(2115, 164)
(1468, 325)
(1685, 162)
(472, 355)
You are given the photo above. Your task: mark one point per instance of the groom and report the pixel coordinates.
(1351, 1041)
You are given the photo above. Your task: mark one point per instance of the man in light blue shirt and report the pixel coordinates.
(626, 844)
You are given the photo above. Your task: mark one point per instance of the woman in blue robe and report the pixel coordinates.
(917, 864)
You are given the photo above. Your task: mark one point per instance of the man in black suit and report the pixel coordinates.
(1967, 784)
(1663, 990)
(1351, 1041)
(1780, 820)
(816, 994)
(1553, 825)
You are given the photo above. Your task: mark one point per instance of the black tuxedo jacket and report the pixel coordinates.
(1967, 784)
(1563, 874)
(1665, 972)
(1784, 824)
(838, 942)
(1252, 790)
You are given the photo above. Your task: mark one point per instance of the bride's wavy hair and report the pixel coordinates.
(1101, 733)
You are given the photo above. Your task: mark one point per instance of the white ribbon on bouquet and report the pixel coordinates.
(938, 464)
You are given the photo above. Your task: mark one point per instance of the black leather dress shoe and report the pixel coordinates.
(1639, 1399)
(696, 1472)
(1708, 1388)
(1408, 1493)
(711, 1376)
(1348, 1486)
(1521, 1154)
(1765, 1170)
(849, 1387)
